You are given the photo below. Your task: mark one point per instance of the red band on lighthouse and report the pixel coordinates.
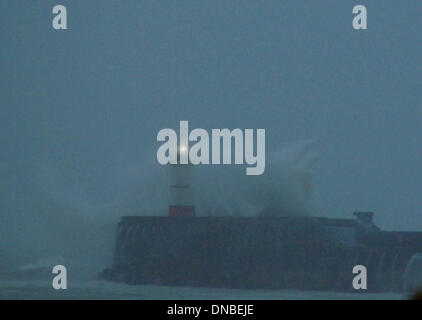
(181, 211)
(182, 201)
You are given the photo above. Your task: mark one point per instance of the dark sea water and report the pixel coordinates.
(37, 289)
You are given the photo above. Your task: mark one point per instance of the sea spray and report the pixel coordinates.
(59, 220)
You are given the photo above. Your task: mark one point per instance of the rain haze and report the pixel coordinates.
(80, 110)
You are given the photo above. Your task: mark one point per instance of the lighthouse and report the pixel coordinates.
(181, 200)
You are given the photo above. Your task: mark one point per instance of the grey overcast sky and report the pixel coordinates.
(95, 95)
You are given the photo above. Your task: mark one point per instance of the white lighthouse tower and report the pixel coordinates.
(182, 200)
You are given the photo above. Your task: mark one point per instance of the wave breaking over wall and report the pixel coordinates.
(52, 219)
